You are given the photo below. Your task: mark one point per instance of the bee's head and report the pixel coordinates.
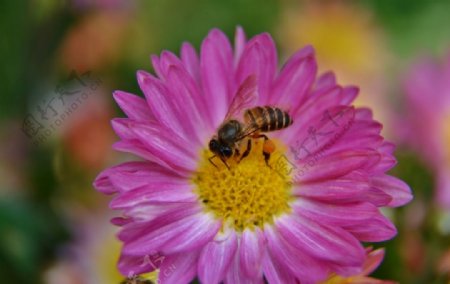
(220, 149)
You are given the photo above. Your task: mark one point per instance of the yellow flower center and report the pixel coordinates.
(250, 193)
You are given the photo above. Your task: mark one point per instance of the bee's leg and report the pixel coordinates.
(210, 160)
(225, 162)
(268, 147)
(267, 158)
(247, 150)
(258, 135)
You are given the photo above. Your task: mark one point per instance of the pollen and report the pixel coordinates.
(250, 193)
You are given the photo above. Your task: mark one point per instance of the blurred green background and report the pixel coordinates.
(54, 227)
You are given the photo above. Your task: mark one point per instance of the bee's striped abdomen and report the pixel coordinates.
(267, 118)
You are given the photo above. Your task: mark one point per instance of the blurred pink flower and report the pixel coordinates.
(87, 135)
(297, 220)
(96, 41)
(347, 40)
(444, 263)
(427, 120)
(88, 258)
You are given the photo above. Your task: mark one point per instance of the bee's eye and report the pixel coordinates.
(213, 145)
(227, 152)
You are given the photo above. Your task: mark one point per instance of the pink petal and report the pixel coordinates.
(387, 147)
(122, 129)
(353, 141)
(235, 274)
(351, 188)
(394, 187)
(191, 61)
(359, 136)
(377, 229)
(323, 242)
(364, 114)
(160, 102)
(156, 66)
(349, 93)
(178, 268)
(141, 229)
(174, 111)
(181, 235)
(138, 149)
(319, 102)
(126, 180)
(133, 106)
(154, 193)
(120, 221)
(215, 259)
(335, 214)
(194, 236)
(334, 166)
(166, 148)
(131, 266)
(443, 187)
(192, 66)
(190, 91)
(319, 125)
(370, 280)
(346, 271)
(251, 252)
(303, 266)
(259, 58)
(365, 128)
(167, 61)
(387, 161)
(145, 213)
(239, 44)
(378, 197)
(160, 145)
(102, 182)
(374, 259)
(128, 175)
(216, 68)
(325, 82)
(295, 80)
(276, 272)
(191, 102)
(306, 51)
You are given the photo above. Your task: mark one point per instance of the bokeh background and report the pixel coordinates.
(61, 60)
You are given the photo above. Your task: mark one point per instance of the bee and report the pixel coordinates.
(257, 120)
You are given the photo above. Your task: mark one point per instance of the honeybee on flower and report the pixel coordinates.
(247, 222)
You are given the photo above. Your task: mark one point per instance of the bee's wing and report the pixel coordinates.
(245, 97)
(248, 130)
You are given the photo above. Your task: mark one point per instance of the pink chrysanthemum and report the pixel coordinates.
(427, 119)
(298, 219)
